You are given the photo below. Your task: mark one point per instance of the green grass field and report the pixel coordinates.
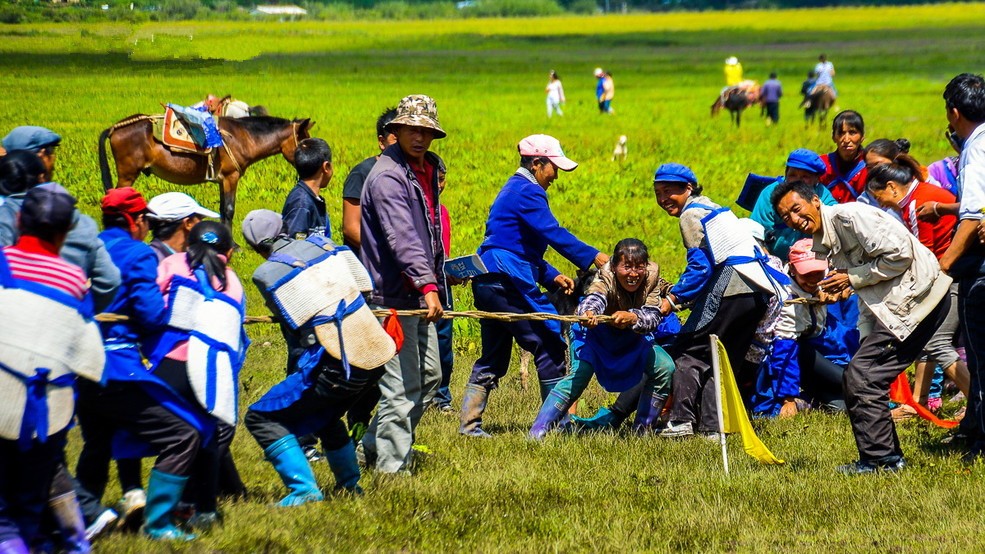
(604, 493)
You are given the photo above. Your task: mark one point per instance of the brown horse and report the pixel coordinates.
(735, 100)
(247, 140)
(817, 105)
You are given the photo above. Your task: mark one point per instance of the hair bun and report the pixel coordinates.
(903, 145)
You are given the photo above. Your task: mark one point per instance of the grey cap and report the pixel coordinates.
(30, 137)
(261, 225)
(47, 206)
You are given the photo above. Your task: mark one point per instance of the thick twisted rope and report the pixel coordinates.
(469, 314)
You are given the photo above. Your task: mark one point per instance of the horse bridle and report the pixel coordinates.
(294, 127)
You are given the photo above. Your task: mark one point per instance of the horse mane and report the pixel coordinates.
(259, 125)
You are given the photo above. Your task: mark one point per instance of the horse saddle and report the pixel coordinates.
(175, 133)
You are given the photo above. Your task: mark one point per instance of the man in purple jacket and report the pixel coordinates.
(771, 93)
(401, 249)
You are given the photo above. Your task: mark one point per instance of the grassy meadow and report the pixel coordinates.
(602, 493)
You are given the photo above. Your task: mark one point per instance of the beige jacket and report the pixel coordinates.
(898, 280)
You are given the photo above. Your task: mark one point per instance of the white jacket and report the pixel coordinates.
(897, 279)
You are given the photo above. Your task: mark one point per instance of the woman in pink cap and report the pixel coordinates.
(519, 229)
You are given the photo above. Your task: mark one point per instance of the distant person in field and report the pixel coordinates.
(353, 187)
(770, 94)
(519, 230)
(82, 247)
(733, 71)
(903, 297)
(899, 185)
(172, 216)
(304, 210)
(846, 175)
(401, 249)
(825, 72)
(964, 100)
(555, 94)
(605, 90)
(629, 288)
(805, 91)
(727, 284)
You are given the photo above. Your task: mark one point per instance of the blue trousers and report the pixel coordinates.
(25, 480)
(446, 356)
(495, 293)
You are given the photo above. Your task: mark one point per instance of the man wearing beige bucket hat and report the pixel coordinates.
(401, 249)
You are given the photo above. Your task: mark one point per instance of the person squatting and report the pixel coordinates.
(885, 258)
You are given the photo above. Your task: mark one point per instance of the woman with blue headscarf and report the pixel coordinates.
(727, 285)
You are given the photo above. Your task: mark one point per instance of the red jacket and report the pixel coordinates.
(935, 236)
(844, 187)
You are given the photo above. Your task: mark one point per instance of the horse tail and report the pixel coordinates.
(258, 111)
(103, 162)
(716, 107)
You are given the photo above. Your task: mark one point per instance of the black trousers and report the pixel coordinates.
(125, 406)
(879, 360)
(319, 410)
(25, 482)
(735, 324)
(494, 292)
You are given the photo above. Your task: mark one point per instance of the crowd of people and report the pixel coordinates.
(852, 266)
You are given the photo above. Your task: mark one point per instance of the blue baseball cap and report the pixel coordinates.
(805, 159)
(674, 173)
(30, 137)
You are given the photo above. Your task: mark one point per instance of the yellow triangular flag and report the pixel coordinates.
(734, 418)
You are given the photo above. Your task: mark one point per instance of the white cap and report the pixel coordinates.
(598, 72)
(172, 206)
(731, 60)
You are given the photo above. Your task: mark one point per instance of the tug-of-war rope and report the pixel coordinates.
(507, 317)
(471, 314)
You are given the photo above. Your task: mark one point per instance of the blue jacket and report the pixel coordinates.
(304, 213)
(519, 229)
(138, 298)
(779, 237)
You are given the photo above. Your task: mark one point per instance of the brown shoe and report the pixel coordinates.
(903, 412)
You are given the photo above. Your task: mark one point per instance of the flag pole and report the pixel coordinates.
(716, 367)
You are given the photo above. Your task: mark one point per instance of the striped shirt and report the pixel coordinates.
(32, 260)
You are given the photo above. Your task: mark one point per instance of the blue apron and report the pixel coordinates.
(618, 356)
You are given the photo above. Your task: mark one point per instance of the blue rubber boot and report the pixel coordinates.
(68, 516)
(14, 546)
(345, 468)
(553, 411)
(473, 405)
(293, 467)
(603, 420)
(163, 494)
(648, 411)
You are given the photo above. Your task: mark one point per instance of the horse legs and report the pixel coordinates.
(227, 199)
